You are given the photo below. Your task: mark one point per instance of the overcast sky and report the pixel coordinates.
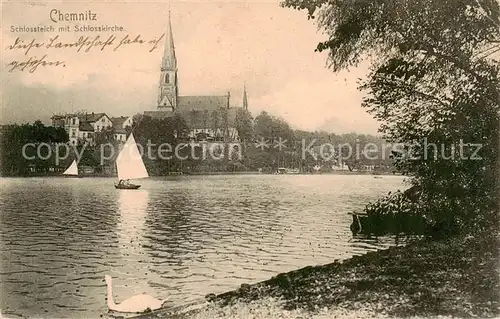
(219, 45)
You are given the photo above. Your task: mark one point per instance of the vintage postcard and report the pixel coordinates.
(249, 159)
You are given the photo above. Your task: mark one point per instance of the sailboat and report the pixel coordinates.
(72, 170)
(129, 165)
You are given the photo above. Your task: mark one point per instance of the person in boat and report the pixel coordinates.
(124, 182)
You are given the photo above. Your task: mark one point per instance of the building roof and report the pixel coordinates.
(86, 127)
(59, 116)
(198, 119)
(118, 121)
(210, 102)
(169, 59)
(201, 119)
(159, 115)
(119, 129)
(90, 117)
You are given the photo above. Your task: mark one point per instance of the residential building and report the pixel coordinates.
(99, 121)
(82, 127)
(86, 132)
(120, 125)
(71, 123)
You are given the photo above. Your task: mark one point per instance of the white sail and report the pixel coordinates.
(129, 163)
(72, 169)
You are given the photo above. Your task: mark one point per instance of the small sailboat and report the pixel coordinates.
(72, 170)
(129, 165)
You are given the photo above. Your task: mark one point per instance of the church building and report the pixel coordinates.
(208, 117)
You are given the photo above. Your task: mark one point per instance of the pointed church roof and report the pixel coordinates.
(169, 59)
(245, 99)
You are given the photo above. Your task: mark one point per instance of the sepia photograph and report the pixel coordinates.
(199, 159)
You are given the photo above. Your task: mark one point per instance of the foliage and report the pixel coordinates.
(244, 125)
(271, 129)
(293, 153)
(434, 80)
(89, 156)
(101, 155)
(155, 132)
(397, 213)
(14, 137)
(106, 135)
(394, 214)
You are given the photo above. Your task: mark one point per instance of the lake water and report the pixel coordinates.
(178, 238)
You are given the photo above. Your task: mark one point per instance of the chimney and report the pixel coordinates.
(228, 98)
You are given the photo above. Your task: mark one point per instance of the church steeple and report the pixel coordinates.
(168, 88)
(169, 59)
(245, 99)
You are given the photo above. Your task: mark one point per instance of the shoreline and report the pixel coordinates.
(452, 278)
(457, 278)
(210, 174)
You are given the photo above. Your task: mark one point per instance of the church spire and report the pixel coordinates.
(168, 87)
(245, 99)
(169, 59)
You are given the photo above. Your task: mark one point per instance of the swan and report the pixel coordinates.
(138, 303)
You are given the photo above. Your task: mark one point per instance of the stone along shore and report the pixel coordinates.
(451, 278)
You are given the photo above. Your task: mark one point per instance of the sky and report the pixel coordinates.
(220, 46)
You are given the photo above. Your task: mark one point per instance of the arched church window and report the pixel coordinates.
(167, 78)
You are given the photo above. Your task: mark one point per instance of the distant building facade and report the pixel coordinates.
(120, 125)
(82, 127)
(208, 117)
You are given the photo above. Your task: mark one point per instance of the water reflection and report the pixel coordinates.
(178, 239)
(167, 230)
(132, 212)
(54, 245)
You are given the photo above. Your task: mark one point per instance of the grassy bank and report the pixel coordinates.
(452, 278)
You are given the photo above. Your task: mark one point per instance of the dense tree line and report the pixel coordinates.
(434, 81)
(275, 144)
(246, 154)
(12, 139)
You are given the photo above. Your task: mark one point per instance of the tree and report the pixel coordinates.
(244, 125)
(195, 114)
(270, 131)
(433, 82)
(14, 137)
(215, 123)
(155, 132)
(106, 135)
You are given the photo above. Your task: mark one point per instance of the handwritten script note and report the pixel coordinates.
(83, 44)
